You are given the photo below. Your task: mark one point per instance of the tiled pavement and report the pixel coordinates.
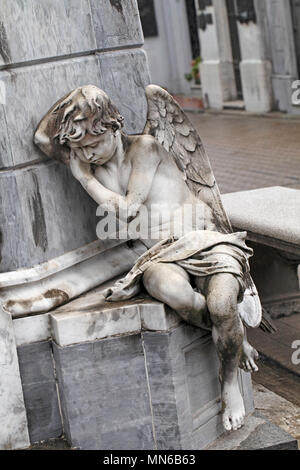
(248, 152)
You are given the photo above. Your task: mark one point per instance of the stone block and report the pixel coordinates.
(105, 396)
(124, 76)
(32, 329)
(74, 323)
(13, 421)
(40, 392)
(31, 91)
(140, 389)
(37, 200)
(54, 28)
(185, 391)
(116, 23)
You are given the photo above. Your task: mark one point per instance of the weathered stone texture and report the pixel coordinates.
(115, 390)
(46, 195)
(35, 202)
(116, 23)
(124, 76)
(105, 398)
(13, 422)
(40, 393)
(31, 91)
(39, 30)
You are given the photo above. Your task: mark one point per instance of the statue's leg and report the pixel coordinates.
(228, 335)
(170, 284)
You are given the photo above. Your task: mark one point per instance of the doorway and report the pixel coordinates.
(235, 45)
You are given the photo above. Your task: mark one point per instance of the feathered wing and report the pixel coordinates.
(168, 123)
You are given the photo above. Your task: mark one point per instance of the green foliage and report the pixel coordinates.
(194, 74)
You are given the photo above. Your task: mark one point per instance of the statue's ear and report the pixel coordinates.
(45, 135)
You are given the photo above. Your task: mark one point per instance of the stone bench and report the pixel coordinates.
(271, 216)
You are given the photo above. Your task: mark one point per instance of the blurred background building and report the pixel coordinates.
(250, 50)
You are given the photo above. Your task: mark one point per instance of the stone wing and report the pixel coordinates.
(168, 123)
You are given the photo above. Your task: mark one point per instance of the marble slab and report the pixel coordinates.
(32, 329)
(13, 420)
(124, 76)
(116, 23)
(105, 395)
(44, 213)
(37, 297)
(108, 385)
(268, 212)
(31, 91)
(40, 392)
(53, 28)
(91, 318)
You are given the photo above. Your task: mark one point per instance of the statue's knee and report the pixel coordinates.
(221, 307)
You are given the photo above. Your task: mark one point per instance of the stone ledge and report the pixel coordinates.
(270, 213)
(91, 318)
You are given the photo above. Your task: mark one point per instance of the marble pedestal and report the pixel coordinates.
(133, 376)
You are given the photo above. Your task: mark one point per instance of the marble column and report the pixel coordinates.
(256, 66)
(216, 69)
(283, 53)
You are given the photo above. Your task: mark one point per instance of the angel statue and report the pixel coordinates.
(199, 268)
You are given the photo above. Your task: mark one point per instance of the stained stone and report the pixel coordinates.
(116, 23)
(30, 91)
(40, 393)
(32, 30)
(124, 76)
(13, 421)
(32, 329)
(105, 396)
(54, 28)
(175, 370)
(43, 196)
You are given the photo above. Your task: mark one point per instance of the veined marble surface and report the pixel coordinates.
(38, 30)
(13, 421)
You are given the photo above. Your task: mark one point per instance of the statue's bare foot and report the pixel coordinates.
(234, 410)
(248, 357)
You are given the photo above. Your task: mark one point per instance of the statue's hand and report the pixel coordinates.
(78, 168)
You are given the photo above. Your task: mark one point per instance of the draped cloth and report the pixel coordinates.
(201, 253)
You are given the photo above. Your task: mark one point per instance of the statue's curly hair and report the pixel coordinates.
(86, 110)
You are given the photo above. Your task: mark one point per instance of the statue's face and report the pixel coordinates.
(96, 149)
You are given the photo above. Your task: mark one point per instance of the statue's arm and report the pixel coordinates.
(83, 173)
(143, 171)
(144, 167)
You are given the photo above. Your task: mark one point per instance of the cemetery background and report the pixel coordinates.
(246, 152)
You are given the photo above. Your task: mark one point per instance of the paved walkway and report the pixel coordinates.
(248, 152)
